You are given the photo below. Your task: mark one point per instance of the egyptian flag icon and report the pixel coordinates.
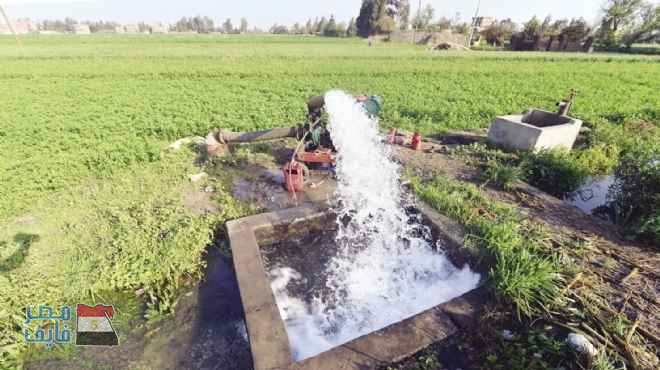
(95, 326)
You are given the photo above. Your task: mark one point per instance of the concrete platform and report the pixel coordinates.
(535, 130)
(267, 334)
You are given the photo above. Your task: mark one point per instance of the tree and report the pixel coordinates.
(321, 26)
(244, 25)
(378, 16)
(404, 15)
(498, 32)
(442, 24)
(227, 26)
(423, 19)
(330, 29)
(198, 24)
(576, 31)
(529, 37)
(386, 24)
(618, 14)
(462, 28)
(351, 30)
(309, 27)
(279, 29)
(646, 28)
(367, 19)
(532, 29)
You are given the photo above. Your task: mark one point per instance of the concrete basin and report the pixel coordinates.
(535, 130)
(268, 339)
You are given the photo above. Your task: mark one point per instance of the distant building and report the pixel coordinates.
(82, 29)
(131, 28)
(158, 28)
(21, 26)
(120, 29)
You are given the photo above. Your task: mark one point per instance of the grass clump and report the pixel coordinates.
(523, 269)
(502, 175)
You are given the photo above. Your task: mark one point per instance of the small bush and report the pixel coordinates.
(636, 192)
(600, 159)
(502, 175)
(554, 171)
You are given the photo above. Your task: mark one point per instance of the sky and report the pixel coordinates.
(264, 13)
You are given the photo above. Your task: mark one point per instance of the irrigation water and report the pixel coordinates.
(384, 268)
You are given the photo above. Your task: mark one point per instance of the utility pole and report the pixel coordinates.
(419, 12)
(11, 28)
(474, 24)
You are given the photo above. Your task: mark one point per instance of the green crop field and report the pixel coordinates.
(90, 199)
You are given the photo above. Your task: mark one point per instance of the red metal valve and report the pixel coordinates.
(294, 176)
(416, 141)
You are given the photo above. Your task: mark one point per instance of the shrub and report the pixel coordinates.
(554, 171)
(502, 175)
(636, 191)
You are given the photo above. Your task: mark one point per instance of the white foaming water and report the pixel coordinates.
(384, 271)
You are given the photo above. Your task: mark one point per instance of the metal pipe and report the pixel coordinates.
(246, 137)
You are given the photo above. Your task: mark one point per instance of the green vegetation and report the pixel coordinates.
(91, 203)
(124, 233)
(630, 152)
(525, 271)
(555, 171)
(502, 175)
(529, 273)
(636, 192)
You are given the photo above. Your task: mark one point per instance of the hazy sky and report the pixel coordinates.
(264, 13)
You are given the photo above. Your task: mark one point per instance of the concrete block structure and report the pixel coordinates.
(534, 130)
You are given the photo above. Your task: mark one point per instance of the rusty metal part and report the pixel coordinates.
(318, 156)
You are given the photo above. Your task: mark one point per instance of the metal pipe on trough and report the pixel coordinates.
(216, 141)
(264, 135)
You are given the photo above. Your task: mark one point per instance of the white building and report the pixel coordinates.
(158, 28)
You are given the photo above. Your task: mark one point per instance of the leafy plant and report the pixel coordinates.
(502, 175)
(636, 191)
(554, 171)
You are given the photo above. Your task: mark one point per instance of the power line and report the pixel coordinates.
(11, 28)
(474, 24)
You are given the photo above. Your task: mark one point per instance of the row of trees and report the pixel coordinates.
(201, 24)
(386, 16)
(327, 27)
(627, 22)
(624, 23)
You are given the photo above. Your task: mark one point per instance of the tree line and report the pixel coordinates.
(624, 23)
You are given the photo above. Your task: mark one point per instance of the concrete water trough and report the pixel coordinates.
(270, 346)
(534, 130)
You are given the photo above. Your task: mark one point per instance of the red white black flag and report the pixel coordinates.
(95, 326)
